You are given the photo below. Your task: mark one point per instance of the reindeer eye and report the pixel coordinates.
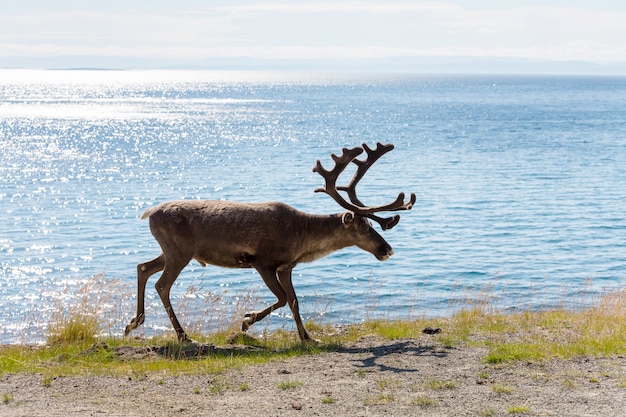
(364, 227)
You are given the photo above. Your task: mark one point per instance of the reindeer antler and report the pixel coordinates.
(355, 205)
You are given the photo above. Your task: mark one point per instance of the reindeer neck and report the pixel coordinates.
(322, 235)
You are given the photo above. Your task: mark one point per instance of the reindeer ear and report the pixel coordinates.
(347, 218)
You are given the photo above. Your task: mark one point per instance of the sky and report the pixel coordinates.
(160, 33)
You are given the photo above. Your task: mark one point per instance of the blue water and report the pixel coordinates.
(521, 186)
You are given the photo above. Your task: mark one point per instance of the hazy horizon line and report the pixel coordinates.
(403, 64)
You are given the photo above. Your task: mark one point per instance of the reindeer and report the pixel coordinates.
(270, 237)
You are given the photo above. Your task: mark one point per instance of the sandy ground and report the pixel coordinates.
(372, 377)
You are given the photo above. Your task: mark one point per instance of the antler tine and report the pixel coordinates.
(330, 177)
(387, 223)
(372, 156)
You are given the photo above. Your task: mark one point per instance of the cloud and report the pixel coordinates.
(318, 30)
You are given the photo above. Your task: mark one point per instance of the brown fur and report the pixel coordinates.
(271, 237)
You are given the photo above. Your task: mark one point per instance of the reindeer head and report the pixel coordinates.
(358, 212)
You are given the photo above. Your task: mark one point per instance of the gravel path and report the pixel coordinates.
(372, 377)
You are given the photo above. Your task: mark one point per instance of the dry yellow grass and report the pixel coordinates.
(596, 330)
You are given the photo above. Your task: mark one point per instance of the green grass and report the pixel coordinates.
(285, 385)
(384, 383)
(380, 399)
(423, 401)
(218, 387)
(82, 358)
(437, 384)
(501, 389)
(519, 409)
(75, 345)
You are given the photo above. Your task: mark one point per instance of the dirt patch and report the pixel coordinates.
(368, 378)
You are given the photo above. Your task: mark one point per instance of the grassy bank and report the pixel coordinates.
(74, 347)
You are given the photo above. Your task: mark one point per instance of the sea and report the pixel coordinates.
(520, 183)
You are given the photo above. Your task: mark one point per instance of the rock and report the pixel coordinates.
(431, 330)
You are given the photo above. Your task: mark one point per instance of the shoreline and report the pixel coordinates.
(476, 363)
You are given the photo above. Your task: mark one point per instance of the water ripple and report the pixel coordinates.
(520, 189)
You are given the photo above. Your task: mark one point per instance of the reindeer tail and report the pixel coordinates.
(149, 212)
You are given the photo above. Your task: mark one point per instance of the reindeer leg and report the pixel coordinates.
(284, 278)
(163, 287)
(269, 277)
(144, 272)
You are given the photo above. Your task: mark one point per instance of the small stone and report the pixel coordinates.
(431, 330)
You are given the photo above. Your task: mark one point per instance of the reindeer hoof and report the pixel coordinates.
(248, 320)
(134, 323)
(245, 324)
